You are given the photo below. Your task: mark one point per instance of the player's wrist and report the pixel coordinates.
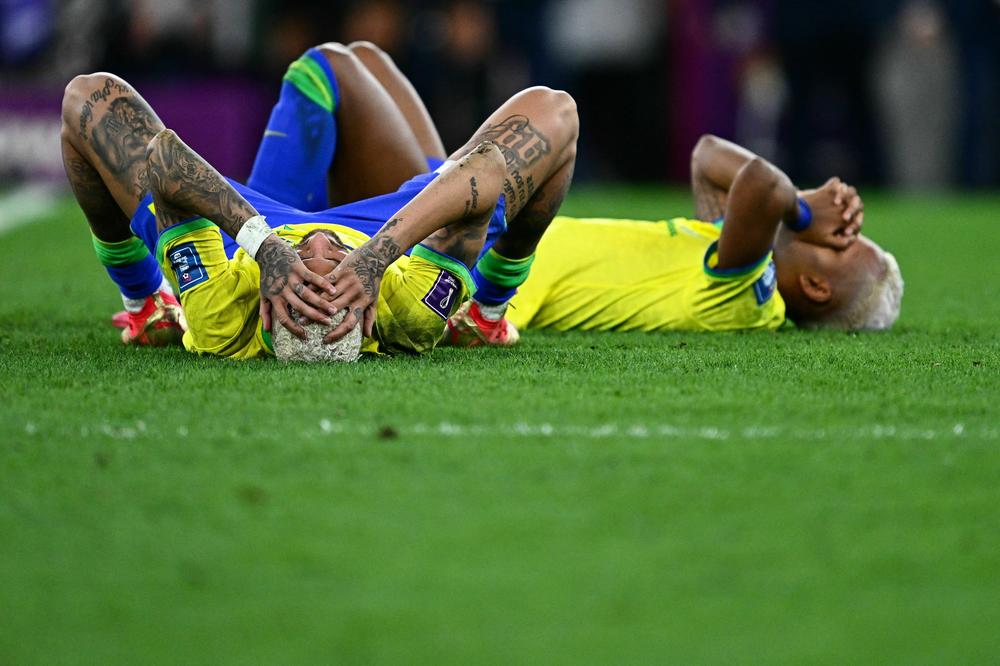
(252, 234)
(800, 217)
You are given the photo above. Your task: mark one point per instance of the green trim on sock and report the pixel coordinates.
(173, 233)
(306, 75)
(120, 253)
(453, 266)
(504, 272)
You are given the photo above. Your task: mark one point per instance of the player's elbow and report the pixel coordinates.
(767, 182)
(489, 167)
(760, 172)
(703, 151)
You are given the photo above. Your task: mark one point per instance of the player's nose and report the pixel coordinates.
(320, 242)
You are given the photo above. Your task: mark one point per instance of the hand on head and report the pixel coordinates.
(320, 253)
(357, 280)
(837, 215)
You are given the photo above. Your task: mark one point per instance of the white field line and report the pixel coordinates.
(26, 205)
(445, 430)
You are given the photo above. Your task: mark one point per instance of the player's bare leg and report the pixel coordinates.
(377, 151)
(335, 135)
(537, 131)
(403, 95)
(105, 128)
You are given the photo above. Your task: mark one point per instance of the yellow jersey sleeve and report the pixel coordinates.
(220, 296)
(737, 298)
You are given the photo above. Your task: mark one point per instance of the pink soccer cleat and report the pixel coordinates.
(159, 323)
(468, 328)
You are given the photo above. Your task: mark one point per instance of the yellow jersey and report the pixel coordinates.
(221, 296)
(630, 275)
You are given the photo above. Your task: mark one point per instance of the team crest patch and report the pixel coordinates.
(763, 288)
(187, 266)
(442, 295)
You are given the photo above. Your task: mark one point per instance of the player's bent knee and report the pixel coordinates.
(365, 49)
(85, 88)
(340, 57)
(76, 93)
(555, 104)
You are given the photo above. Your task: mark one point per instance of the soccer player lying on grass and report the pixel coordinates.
(681, 274)
(121, 162)
(761, 253)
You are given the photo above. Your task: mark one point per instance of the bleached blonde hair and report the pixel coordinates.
(287, 347)
(877, 304)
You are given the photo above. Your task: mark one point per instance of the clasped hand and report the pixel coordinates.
(285, 283)
(837, 215)
(356, 282)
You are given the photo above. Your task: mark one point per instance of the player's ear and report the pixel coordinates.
(815, 287)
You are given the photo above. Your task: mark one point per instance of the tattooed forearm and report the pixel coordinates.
(372, 258)
(188, 183)
(472, 203)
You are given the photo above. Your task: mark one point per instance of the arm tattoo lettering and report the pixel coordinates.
(522, 145)
(472, 203)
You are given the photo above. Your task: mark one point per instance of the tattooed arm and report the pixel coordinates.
(456, 203)
(184, 184)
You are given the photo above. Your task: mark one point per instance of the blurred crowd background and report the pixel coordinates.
(902, 93)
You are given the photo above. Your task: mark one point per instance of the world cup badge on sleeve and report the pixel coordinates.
(187, 265)
(441, 297)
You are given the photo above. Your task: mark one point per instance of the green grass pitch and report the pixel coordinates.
(619, 498)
